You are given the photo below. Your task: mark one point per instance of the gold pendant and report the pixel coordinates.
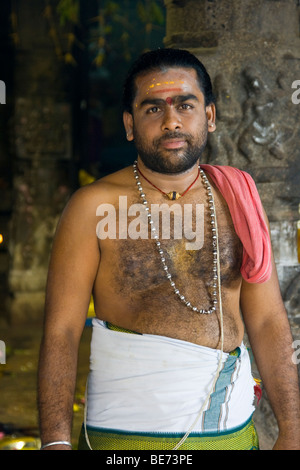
(173, 195)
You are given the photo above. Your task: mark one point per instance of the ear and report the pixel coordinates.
(128, 124)
(211, 117)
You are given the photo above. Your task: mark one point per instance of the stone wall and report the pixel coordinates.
(41, 130)
(6, 109)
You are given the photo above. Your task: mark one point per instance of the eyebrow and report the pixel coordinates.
(177, 99)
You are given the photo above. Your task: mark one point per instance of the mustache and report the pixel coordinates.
(173, 135)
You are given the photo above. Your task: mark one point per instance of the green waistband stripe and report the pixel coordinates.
(243, 439)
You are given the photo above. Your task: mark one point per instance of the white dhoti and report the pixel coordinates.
(150, 383)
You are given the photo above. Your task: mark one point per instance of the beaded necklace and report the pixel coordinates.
(214, 292)
(173, 195)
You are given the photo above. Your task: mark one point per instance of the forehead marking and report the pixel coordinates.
(169, 101)
(167, 89)
(170, 82)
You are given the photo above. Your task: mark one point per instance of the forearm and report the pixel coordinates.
(56, 387)
(272, 349)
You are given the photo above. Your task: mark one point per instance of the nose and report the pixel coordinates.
(171, 120)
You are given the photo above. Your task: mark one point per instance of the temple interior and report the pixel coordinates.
(62, 66)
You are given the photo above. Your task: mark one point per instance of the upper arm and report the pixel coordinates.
(73, 265)
(263, 302)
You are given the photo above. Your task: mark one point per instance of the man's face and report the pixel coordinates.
(169, 123)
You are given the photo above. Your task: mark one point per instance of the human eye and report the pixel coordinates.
(153, 110)
(186, 106)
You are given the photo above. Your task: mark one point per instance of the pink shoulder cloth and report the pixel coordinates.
(240, 192)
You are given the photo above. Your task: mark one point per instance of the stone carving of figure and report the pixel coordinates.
(222, 143)
(261, 122)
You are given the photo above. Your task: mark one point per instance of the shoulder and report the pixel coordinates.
(105, 189)
(80, 212)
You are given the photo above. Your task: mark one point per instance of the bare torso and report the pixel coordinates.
(131, 289)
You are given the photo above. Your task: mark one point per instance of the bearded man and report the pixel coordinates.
(168, 368)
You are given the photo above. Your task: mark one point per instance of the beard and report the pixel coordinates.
(171, 161)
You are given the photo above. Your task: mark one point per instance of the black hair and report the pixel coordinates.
(160, 59)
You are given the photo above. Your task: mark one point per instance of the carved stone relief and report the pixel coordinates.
(257, 131)
(255, 121)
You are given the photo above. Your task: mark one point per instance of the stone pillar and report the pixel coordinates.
(41, 129)
(251, 49)
(6, 105)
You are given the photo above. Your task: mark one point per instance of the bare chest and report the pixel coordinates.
(134, 290)
(179, 237)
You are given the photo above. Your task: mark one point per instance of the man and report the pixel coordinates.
(168, 366)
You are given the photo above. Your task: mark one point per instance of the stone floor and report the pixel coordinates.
(18, 385)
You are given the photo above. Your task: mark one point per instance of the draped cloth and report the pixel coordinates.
(145, 390)
(239, 191)
(150, 383)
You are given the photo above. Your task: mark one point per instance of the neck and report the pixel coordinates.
(171, 181)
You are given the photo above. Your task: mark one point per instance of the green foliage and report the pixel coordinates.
(150, 12)
(68, 11)
(119, 25)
